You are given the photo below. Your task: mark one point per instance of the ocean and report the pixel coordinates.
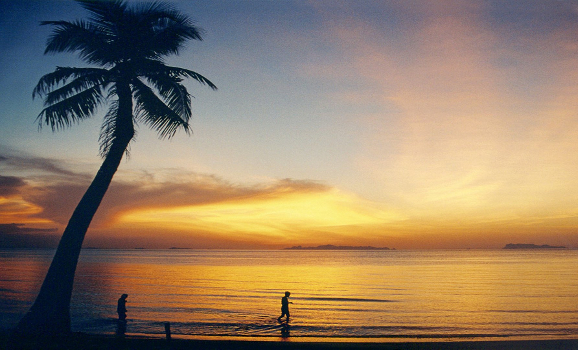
(436, 294)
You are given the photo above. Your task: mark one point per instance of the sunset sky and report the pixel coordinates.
(405, 124)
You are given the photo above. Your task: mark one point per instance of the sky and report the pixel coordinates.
(404, 124)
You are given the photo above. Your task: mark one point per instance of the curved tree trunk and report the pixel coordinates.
(50, 313)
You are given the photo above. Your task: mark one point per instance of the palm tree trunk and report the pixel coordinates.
(50, 313)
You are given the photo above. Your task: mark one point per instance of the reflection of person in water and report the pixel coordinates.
(285, 330)
(285, 306)
(121, 307)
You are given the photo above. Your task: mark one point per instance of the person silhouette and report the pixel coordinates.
(121, 307)
(285, 306)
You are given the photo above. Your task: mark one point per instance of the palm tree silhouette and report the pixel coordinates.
(127, 46)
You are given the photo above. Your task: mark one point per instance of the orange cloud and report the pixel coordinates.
(14, 208)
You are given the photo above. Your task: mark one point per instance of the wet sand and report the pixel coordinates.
(93, 342)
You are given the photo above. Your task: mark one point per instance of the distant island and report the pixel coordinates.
(532, 246)
(337, 247)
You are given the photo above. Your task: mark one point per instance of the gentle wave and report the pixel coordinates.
(362, 300)
(268, 330)
(575, 312)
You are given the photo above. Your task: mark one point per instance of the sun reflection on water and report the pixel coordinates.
(389, 293)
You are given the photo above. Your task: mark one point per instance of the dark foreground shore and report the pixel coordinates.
(93, 342)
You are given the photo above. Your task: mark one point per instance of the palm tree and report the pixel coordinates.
(127, 46)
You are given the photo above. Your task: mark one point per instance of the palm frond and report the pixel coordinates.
(107, 130)
(104, 11)
(61, 75)
(76, 86)
(156, 30)
(111, 130)
(193, 75)
(174, 94)
(151, 110)
(72, 109)
(90, 41)
(171, 38)
(154, 67)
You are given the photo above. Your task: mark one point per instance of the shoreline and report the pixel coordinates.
(351, 339)
(85, 341)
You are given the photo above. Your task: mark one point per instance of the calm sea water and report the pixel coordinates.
(346, 294)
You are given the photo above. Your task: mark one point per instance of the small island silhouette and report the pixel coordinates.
(338, 247)
(531, 246)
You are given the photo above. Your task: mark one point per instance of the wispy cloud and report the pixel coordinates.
(9, 185)
(21, 162)
(473, 105)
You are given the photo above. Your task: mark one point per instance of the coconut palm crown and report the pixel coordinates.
(125, 45)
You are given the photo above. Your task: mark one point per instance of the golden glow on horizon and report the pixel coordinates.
(272, 215)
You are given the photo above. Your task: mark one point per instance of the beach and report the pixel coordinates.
(93, 342)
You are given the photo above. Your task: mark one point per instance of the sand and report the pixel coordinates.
(93, 342)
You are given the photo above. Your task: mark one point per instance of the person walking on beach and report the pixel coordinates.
(121, 307)
(285, 306)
